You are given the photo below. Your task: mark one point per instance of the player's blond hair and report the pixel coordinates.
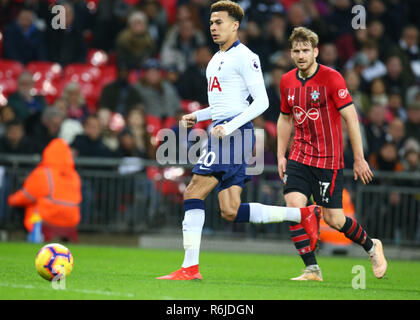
(302, 34)
(233, 9)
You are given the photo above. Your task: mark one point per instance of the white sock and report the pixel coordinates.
(192, 227)
(261, 213)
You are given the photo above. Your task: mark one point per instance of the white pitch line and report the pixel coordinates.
(106, 293)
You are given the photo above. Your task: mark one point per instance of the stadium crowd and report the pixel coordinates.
(122, 69)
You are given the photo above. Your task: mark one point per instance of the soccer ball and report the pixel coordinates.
(54, 261)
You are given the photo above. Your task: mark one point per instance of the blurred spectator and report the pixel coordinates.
(134, 44)
(160, 98)
(396, 134)
(24, 102)
(7, 114)
(15, 141)
(407, 50)
(172, 75)
(411, 161)
(104, 32)
(23, 41)
(89, 144)
(391, 19)
(48, 128)
(376, 32)
(273, 92)
(360, 99)
(76, 106)
(376, 67)
(180, 43)
(257, 43)
(157, 17)
(386, 158)
(376, 128)
(9, 10)
(277, 39)
(70, 128)
(378, 93)
(328, 56)
(67, 45)
(412, 126)
(52, 194)
(192, 83)
(305, 14)
(127, 146)
(136, 123)
(395, 78)
(261, 11)
(340, 19)
(120, 96)
(42, 12)
(395, 107)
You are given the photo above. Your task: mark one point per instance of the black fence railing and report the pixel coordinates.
(134, 195)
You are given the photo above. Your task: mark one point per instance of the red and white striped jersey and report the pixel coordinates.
(315, 103)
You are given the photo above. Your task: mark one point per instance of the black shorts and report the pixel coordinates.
(326, 185)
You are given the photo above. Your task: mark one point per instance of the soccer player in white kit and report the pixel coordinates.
(233, 75)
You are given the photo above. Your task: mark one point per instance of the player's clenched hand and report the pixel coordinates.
(189, 120)
(282, 167)
(361, 170)
(218, 131)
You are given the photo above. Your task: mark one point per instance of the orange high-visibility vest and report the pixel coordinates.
(332, 236)
(53, 189)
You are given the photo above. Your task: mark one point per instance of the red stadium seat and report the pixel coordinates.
(8, 85)
(170, 8)
(190, 105)
(108, 74)
(97, 57)
(10, 69)
(45, 70)
(154, 124)
(80, 72)
(47, 76)
(169, 122)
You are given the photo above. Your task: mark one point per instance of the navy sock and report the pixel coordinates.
(243, 213)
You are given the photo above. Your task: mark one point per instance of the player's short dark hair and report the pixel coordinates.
(233, 9)
(302, 34)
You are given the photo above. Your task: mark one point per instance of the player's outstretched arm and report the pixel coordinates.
(284, 131)
(360, 167)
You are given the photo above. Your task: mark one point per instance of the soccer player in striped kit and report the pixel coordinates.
(233, 74)
(315, 98)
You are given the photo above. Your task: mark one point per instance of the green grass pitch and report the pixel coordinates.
(129, 273)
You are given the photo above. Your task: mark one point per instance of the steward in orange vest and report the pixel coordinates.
(52, 192)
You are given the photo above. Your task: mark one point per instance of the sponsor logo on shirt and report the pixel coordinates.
(342, 93)
(301, 115)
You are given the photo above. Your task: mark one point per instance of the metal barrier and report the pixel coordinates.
(134, 195)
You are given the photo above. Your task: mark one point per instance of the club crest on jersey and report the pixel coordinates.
(301, 115)
(315, 98)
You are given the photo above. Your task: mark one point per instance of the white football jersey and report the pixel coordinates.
(229, 74)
